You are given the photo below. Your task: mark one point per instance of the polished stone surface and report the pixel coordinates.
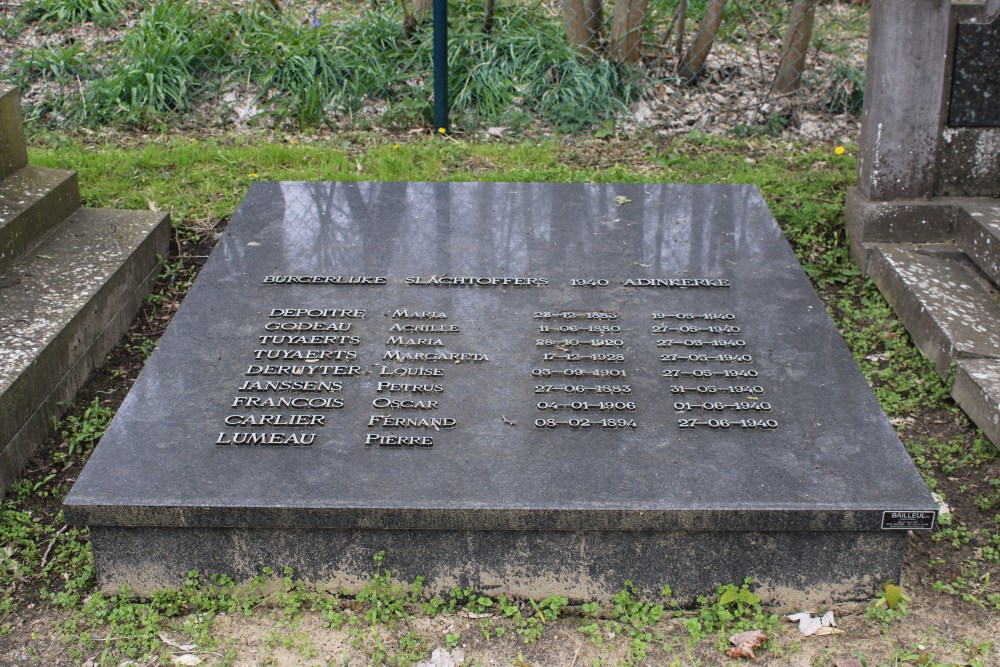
(833, 462)
(975, 85)
(807, 448)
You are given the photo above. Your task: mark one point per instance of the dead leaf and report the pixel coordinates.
(746, 642)
(252, 244)
(44, 256)
(821, 632)
(152, 205)
(810, 625)
(622, 199)
(170, 642)
(358, 167)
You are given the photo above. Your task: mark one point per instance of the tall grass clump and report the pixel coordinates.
(323, 71)
(59, 64)
(63, 13)
(166, 60)
(525, 62)
(313, 71)
(337, 67)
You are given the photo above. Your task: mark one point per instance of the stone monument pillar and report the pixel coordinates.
(71, 279)
(924, 219)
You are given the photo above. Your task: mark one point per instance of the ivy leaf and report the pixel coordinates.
(729, 597)
(893, 595)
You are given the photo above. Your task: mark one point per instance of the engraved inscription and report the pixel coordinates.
(742, 398)
(293, 401)
(586, 361)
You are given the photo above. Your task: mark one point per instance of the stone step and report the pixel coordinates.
(947, 307)
(977, 390)
(63, 306)
(13, 153)
(977, 233)
(32, 202)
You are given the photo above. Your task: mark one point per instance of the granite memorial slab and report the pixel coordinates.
(527, 388)
(975, 84)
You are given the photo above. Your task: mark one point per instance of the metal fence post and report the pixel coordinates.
(440, 66)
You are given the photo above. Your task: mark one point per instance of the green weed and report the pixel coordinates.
(635, 619)
(889, 606)
(951, 530)
(972, 585)
(847, 89)
(386, 599)
(732, 609)
(181, 52)
(80, 433)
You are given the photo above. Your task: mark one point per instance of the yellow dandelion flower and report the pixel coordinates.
(252, 175)
(839, 150)
(441, 130)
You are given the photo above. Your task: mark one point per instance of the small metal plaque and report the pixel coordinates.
(907, 520)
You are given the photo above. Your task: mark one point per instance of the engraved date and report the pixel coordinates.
(583, 406)
(586, 423)
(759, 424)
(578, 372)
(739, 406)
(583, 389)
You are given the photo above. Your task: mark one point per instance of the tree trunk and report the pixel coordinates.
(414, 12)
(626, 30)
(796, 46)
(582, 20)
(488, 16)
(708, 28)
(682, 11)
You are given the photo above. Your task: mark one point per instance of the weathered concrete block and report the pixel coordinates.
(62, 309)
(978, 235)
(968, 163)
(13, 152)
(977, 390)
(947, 313)
(32, 202)
(580, 565)
(904, 94)
(902, 221)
